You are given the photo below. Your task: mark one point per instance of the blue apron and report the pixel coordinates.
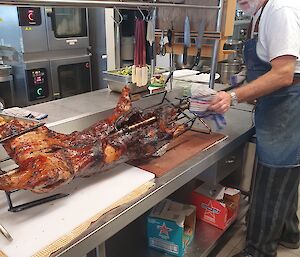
(277, 117)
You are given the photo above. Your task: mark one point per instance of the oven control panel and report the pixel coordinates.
(37, 82)
(29, 16)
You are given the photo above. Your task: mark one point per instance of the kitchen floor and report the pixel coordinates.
(237, 242)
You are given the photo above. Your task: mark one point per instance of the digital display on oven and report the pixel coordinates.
(37, 83)
(29, 16)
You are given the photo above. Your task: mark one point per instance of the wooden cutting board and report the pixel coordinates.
(180, 150)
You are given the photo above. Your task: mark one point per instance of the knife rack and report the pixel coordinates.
(220, 25)
(207, 48)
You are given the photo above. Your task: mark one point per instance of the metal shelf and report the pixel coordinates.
(207, 239)
(107, 4)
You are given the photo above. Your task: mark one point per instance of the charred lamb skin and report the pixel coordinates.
(14, 127)
(48, 159)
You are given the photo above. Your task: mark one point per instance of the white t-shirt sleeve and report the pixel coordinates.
(282, 33)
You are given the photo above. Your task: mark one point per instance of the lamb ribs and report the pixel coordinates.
(48, 159)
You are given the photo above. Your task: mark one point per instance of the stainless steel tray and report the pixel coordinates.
(113, 76)
(34, 124)
(116, 82)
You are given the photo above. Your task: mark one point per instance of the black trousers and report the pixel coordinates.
(273, 211)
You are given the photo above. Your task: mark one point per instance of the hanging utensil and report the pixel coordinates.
(143, 51)
(139, 55)
(170, 45)
(118, 22)
(162, 48)
(151, 38)
(199, 41)
(153, 46)
(187, 39)
(134, 66)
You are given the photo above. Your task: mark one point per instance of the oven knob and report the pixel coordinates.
(30, 15)
(39, 91)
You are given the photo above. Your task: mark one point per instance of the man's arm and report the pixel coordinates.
(281, 75)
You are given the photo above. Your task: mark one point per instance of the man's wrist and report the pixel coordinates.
(234, 98)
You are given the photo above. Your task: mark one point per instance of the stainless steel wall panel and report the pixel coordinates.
(10, 32)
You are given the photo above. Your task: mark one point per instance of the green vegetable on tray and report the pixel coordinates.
(127, 71)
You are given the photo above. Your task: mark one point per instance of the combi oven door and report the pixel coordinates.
(67, 28)
(70, 76)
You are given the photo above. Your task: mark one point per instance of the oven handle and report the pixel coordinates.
(50, 14)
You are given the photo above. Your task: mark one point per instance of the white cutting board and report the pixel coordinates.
(35, 228)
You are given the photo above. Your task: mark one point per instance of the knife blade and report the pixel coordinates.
(187, 38)
(150, 33)
(151, 38)
(199, 41)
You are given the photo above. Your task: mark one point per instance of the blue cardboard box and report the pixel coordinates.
(171, 226)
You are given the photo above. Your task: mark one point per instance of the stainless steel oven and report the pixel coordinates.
(52, 78)
(37, 29)
(71, 76)
(6, 87)
(52, 49)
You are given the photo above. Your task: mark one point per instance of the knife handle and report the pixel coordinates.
(169, 35)
(197, 60)
(151, 54)
(185, 52)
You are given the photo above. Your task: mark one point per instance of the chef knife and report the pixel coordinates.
(199, 41)
(151, 39)
(187, 39)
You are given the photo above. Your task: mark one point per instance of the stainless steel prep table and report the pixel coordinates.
(75, 112)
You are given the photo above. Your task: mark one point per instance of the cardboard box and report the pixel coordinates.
(171, 227)
(216, 205)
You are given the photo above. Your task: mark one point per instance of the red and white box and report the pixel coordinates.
(216, 205)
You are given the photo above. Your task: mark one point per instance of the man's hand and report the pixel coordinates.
(220, 103)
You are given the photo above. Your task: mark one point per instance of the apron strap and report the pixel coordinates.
(257, 22)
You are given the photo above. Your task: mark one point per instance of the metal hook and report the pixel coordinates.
(149, 16)
(118, 22)
(143, 15)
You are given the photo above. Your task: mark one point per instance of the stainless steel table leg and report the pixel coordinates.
(97, 252)
(101, 250)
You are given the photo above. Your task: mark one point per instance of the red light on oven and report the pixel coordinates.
(87, 65)
(30, 15)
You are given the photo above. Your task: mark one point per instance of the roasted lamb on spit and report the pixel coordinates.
(48, 159)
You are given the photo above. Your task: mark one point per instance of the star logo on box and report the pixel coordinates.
(210, 210)
(164, 231)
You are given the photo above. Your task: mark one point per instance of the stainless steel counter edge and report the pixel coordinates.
(239, 132)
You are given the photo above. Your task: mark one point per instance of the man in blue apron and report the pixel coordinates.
(273, 75)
